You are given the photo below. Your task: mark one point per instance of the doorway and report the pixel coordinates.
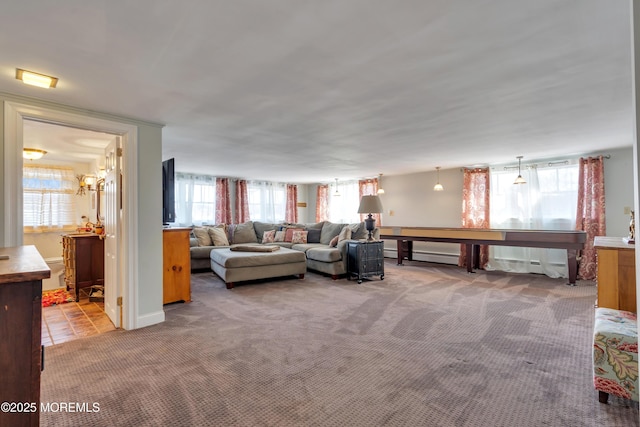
(53, 215)
(15, 116)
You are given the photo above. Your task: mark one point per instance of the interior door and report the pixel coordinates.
(111, 214)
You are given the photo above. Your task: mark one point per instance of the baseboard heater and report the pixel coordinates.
(428, 256)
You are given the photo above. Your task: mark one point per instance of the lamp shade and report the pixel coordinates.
(370, 204)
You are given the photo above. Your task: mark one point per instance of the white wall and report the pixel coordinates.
(409, 200)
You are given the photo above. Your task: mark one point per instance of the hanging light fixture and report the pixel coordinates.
(519, 179)
(33, 153)
(380, 189)
(438, 186)
(337, 193)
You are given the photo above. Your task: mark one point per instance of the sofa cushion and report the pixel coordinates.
(313, 235)
(202, 234)
(261, 227)
(279, 237)
(304, 247)
(218, 236)
(299, 236)
(358, 231)
(268, 236)
(200, 252)
(244, 233)
(324, 254)
(329, 231)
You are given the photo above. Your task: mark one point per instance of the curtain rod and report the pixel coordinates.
(558, 162)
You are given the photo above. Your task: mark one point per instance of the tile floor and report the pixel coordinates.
(73, 320)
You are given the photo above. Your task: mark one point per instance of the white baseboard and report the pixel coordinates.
(150, 319)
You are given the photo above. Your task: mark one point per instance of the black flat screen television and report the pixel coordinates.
(168, 192)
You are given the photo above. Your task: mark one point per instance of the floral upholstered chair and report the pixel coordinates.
(615, 354)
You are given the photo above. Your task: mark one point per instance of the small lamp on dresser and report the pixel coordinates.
(370, 205)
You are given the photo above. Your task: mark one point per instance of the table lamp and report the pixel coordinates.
(370, 205)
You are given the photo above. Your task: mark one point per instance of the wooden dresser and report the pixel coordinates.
(20, 332)
(616, 277)
(176, 276)
(83, 261)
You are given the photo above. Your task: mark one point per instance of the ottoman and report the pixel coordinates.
(237, 266)
(615, 354)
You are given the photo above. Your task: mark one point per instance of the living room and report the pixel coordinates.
(321, 95)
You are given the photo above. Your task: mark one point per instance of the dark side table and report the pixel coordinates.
(365, 259)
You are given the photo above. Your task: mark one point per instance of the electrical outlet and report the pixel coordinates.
(627, 210)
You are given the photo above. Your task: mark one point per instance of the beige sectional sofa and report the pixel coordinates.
(324, 249)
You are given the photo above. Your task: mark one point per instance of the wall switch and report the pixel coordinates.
(627, 210)
(391, 212)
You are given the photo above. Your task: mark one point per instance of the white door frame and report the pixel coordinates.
(14, 115)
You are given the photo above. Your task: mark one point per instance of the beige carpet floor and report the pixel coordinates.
(428, 346)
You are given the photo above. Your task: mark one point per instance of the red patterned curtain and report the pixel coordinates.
(223, 201)
(369, 187)
(291, 213)
(475, 208)
(322, 203)
(590, 215)
(242, 202)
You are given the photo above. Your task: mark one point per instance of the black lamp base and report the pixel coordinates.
(370, 225)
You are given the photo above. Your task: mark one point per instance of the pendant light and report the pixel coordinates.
(438, 186)
(337, 193)
(519, 179)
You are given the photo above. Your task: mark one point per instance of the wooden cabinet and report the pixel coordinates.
(365, 259)
(176, 277)
(616, 278)
(20, 332)
(83, 261)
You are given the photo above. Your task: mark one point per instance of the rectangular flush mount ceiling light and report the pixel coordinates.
(36, 79)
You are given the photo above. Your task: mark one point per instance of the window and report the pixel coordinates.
(344, 208)
(195, 199)
(546, 202)
(48, 198)
(267, 201)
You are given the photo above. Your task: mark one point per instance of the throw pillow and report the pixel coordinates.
(313, 235)
(299, 237)
(279, 236)
(288, 235)
(202, 234)
(218, 236)
(269, 236)
(345, 234)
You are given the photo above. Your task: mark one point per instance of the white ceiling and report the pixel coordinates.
(307, 91)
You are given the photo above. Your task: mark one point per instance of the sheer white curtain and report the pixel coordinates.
(344, 208)
(546, 202)
(267, 201)
(195, 199)
(48, 198)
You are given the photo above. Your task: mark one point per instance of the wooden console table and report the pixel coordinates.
(83, 261)
(616, 277)
(20, 329)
